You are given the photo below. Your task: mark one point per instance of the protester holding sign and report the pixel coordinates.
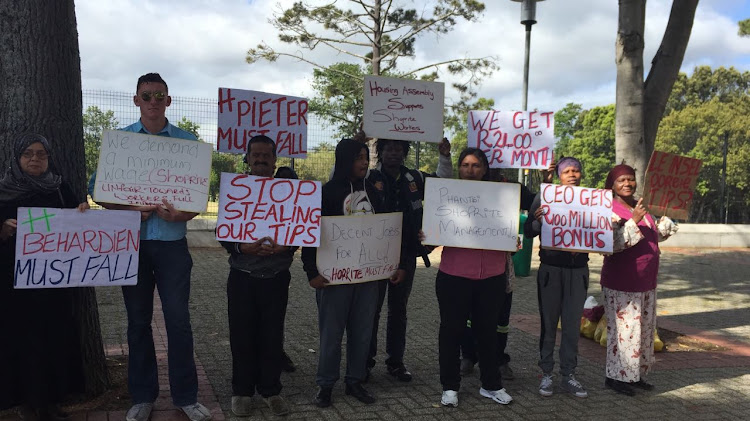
(403, 189)
(40, 359)
(629, 285)
(164, 262)
(562, 282)
(470, 281)
(257, 295)
(347, 307)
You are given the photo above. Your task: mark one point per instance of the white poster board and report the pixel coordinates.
(513, 139)
(251, 208)
(244, 114)
(355, 249)
(140, 169)
(403, 109)
(471, 214)
(63, 248)
(576, 218)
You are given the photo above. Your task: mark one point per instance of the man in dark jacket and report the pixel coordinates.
(257, 295)
(562, 282)
(403, 189)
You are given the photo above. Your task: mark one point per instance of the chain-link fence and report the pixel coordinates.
(203, 113)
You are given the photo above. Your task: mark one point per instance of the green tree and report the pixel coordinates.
(319, 162)
(376, 33)
(457, 120)
(567, 123)
(593, 143)
(744, 28)
(706, 84)
(95, 121)
(189, 126)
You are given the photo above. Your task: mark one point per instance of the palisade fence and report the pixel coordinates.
(203, 112)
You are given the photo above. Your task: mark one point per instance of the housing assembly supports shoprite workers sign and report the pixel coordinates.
(62, 248)
(355, 249)
(140, 169)
(252, 207)
(245, 114)
(471, 214)
(576, 218)
(403, 109)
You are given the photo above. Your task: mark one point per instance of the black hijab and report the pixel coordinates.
(16, 183)
(347, 151)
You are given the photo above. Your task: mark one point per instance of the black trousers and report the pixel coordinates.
(468, 345)
(257, 308)
(483, 300)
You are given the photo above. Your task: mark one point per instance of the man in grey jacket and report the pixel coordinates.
(257, 295)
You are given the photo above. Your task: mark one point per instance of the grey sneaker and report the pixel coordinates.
(545, 387)
(196, 412)
(278, 405)
(570, 384)
(139, 412)
(242, 405)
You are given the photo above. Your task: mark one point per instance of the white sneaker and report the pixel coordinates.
(545, 387)
(139, 412)
(196, 412)
(450, 398)
(499, 396)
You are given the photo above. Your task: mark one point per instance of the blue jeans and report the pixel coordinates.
(349, 308)
(165, 265)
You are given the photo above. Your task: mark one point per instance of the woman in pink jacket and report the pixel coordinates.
(470, 282)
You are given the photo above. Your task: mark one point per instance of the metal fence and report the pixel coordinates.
(203, 113)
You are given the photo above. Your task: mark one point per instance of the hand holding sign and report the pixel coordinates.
(639, 211)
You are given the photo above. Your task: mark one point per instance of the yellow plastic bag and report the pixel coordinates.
(587, 328)
(601, 329)
(658, 344)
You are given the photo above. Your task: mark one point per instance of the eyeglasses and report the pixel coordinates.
(41, 155)
(158, 95)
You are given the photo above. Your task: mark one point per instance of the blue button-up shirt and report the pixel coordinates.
(155, 228)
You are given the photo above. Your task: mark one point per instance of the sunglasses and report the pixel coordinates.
(159, 95)
(41, 155)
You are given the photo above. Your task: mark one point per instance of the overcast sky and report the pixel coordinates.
(199, 45)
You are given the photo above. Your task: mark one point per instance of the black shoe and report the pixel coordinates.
(619, 387)
(360, 393)
(323, 397)
(287, 365)
(640, 384)
(400, 372)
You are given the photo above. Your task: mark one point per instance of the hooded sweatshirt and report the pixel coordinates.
(343, 196)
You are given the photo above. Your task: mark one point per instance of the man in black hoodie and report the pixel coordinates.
(349, 307)
(562, 283)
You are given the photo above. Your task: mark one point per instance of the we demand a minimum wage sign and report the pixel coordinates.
(62, 248)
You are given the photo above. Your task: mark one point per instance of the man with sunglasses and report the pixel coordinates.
(164, 263)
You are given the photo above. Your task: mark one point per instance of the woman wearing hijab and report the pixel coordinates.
(562, 282)
(351, 307)
(471, 282)
(39, 358)
(629, 284)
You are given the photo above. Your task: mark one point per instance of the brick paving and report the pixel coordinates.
(702, 293)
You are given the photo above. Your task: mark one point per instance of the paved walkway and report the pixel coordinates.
(704, 293)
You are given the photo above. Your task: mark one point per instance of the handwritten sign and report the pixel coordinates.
(670, 183)
(355, 249)
(471, 214)
(576, 218)
(140, 169)
(403, 109)
(245, 114)
(62, 248)
(513, 139)
(251, 208)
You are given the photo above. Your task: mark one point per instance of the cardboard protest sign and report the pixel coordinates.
(251, 208)
(471, 214)
(63, 248)
(355, 249)
(670, 184)
(403, 109)
(245, 114)
(576, 218)
(513, 139)
(140, 169)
